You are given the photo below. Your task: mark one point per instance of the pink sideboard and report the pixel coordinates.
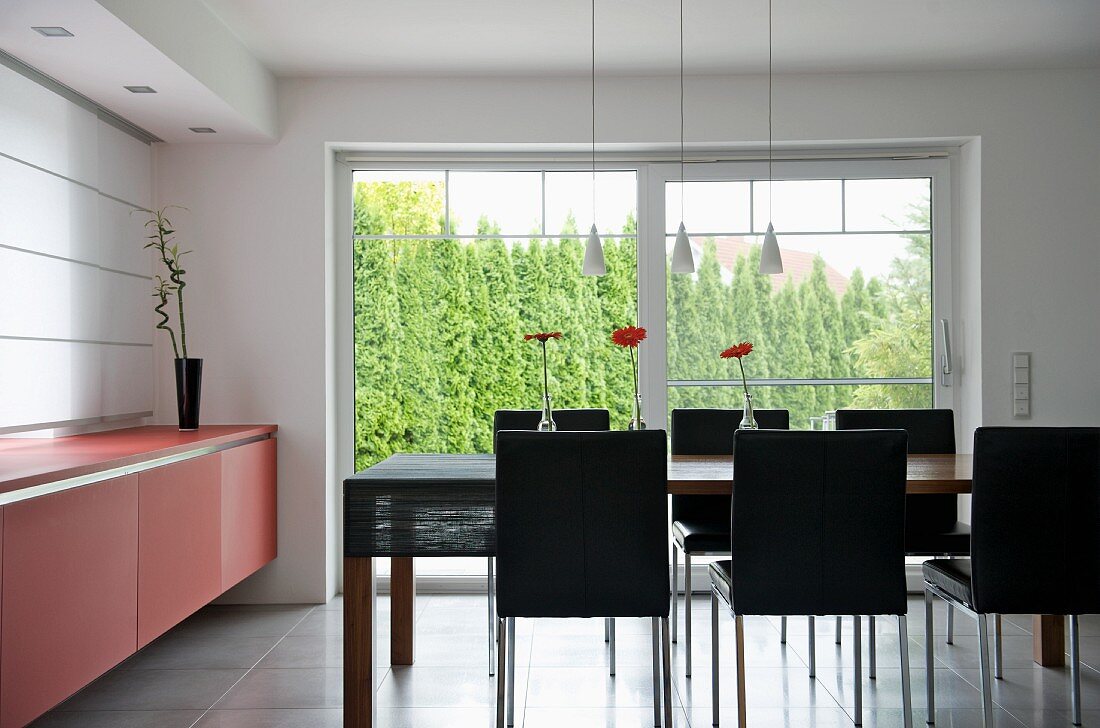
(108, 540)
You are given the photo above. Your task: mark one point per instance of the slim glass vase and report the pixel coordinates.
(546, 423)
(748, 422)
(637, 422)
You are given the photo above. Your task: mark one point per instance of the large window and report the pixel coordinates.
(453, 264)
(849, 321)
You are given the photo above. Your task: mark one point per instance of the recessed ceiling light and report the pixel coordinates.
(140, 89)
(202, 130)
(52, 31)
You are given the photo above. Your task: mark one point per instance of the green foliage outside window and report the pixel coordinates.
(439, 324)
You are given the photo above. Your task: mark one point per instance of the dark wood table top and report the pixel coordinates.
(687, 474)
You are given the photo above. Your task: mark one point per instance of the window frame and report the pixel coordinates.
(654, 358)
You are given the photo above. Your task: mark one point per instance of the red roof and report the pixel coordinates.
(797, 264)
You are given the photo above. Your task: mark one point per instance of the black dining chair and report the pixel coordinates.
(932, 525)
(580, 526)
(836, 549)
(1035, 547)
(701, 523)
(567, 420)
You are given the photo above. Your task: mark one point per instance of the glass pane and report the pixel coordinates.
(439, 346)
(509, 203)
(799, 206)
(708, 207)
(887, 204)
(569, 202)
(845, 306)
(807, 404)
(399, 202)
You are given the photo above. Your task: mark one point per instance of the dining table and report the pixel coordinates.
(413, 505)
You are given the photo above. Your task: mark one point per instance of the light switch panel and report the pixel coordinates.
(1021, 384)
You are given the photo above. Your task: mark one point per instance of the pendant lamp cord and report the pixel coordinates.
(594, 112)
(770, 195)
(682, 111)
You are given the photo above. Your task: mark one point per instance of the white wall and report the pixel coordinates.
(1025, 276)
(75, 333)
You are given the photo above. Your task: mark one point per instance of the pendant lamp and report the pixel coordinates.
(593, 251)
(682, 259)
(771, 262)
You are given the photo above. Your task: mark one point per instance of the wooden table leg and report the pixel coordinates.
(402, 610)
(359, 629)
(1048, 641)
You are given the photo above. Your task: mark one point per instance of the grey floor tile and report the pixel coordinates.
(154, 690)
(1044, 689)
(244, 622)
(308, 651)
(434, 717)
(438, 687)
(118, 719)
(326, 622)
(590, 687)
(947, 718)
(885, 691)
(181, 650)
(766, 687)
(596, 717)
(774, 717)
(277, 718)
(321, 687)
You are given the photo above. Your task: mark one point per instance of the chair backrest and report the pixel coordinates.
(567, 420)
(817, 522)
(1035, 543)
(931, 432)
(581, 524)
(710, 432)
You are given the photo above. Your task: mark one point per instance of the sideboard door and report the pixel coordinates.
(249, 517)
(70, 593)
(179, 550)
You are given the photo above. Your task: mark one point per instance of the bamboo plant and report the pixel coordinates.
(165, 289)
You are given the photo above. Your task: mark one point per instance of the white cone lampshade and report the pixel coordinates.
(682, 260)
(770, 260)
(593, 255)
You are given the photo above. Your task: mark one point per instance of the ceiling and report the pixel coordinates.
(638, 37)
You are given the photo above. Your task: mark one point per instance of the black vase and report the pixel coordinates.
(188, 392)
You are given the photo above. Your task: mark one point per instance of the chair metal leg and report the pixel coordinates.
(687, 614)
(812, 647)
(838, 630)
(611, 645)
(871, 647)
(906, 687)
(666, 672)
(987, 683)
(782, 630)
(607, 629)
(656, 628)
(714, 657)
(502, 670)
(998, 649)
(675, 591)
(950, 624)
(739, 646)
(929, 657)
(1075, 668)
(511, 698)
(857, 652)
(492, 616)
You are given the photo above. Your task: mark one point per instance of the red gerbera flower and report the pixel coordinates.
(737, 351)
(628, 336)
(543, 337)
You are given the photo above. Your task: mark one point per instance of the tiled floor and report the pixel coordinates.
(280, 667)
